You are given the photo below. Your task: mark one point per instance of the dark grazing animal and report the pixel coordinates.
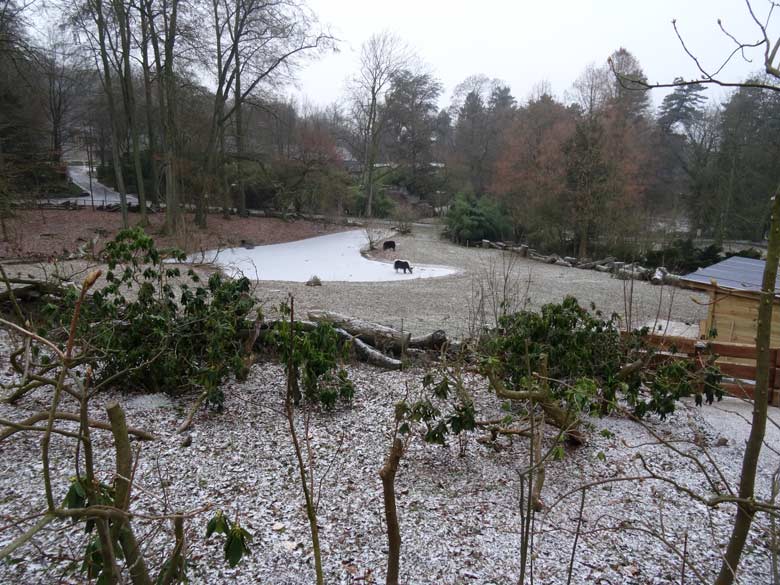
(402, 264)
(388, 245)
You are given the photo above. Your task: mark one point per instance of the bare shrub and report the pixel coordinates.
(404, 218)
(498, 289)
(375, 233)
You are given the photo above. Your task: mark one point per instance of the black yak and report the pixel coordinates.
(388, 245)
(404, 264)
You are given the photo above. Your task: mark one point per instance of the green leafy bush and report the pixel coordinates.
(586, 358)
(472, 219)
(441, 409)
(144, 332)
(316, 361)
(236, 538)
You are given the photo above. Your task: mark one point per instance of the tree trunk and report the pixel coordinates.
(151, 131)
(747, 479)
(241, 195)
(435, 340)
(123, 531)
(387, 473)
(582, 248)
(109, 91)
(373, 333)
(363, 351)
(370, 355)
(167, 94)
(126, 76)
(370, 155)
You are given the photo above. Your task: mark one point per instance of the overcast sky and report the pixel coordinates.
(524, 42)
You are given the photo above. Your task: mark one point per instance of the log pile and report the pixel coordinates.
(620, 270)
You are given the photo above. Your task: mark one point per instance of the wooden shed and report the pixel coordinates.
(734, 287)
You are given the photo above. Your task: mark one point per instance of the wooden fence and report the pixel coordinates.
(737, 361)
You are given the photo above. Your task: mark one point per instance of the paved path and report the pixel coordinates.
(101, 194)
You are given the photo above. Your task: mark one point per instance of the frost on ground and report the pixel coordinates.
(459, 505)
(333, 257)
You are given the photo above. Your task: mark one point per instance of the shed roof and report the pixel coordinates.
(736, 273)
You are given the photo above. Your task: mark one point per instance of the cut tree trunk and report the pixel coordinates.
(363, 350)
(387, 474)
(595, 263)
(379, 336)
(435, 340)
(370, 355)
(659, 275)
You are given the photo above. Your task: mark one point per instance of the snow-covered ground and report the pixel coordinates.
(334, 257)
(459, 509)
(101, 194)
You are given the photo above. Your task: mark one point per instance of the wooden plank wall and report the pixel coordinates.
(735, 317)
(736, 361)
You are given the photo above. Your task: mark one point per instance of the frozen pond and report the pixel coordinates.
(332, 257)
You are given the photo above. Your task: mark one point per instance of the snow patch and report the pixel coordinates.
(333, 257)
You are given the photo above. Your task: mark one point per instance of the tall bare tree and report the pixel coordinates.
(66, 75)
(125, 25)
(256, 44)
(382, 57)
(151, 120)
(94, 19)
(163, 20)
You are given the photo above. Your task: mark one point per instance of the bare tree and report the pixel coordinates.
(94, 20)
(255, 43)
(382, 57)
(125, 26)
(163, 21)
(65, 75)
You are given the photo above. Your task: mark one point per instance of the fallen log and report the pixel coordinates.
(673, 279)
(370, 355)
(434, 340)
(595, 263)
(551, 259)
(521, 250)
(28, 290)
(658, 275)
(372, 333)
(631, 273)
(363, 351)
